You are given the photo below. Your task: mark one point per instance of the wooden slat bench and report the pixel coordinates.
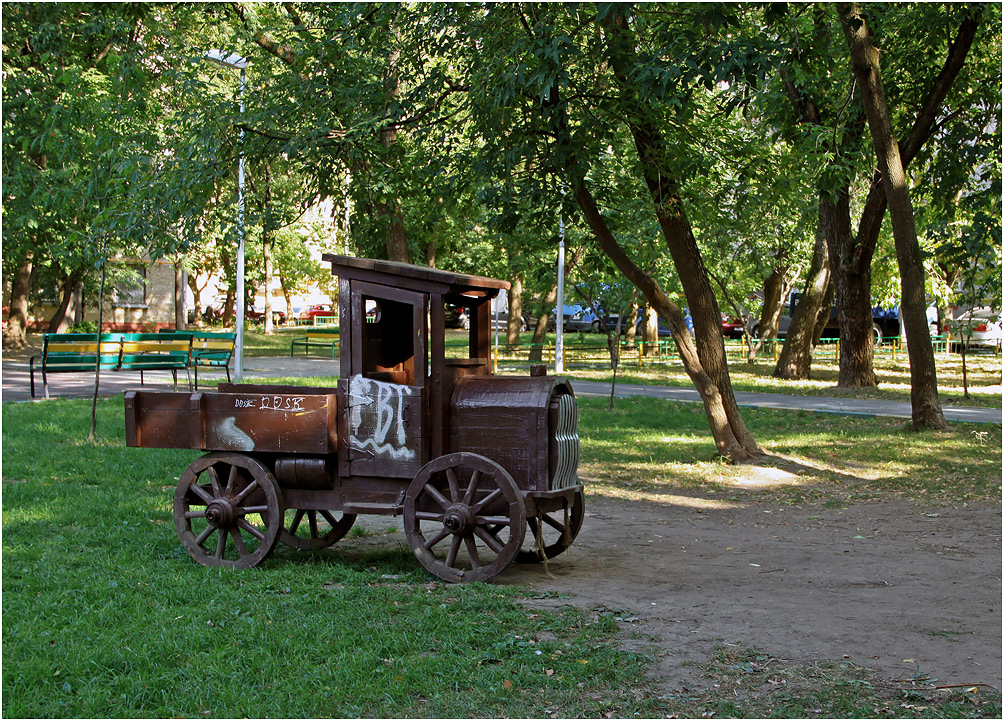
(75, 353)
(323, 337)
(210, 350)
(154, 352)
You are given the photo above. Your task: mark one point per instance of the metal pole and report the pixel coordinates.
(239, 344)
(559, 320)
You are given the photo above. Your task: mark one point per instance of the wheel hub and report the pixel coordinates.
(458, 519)
(220, 512)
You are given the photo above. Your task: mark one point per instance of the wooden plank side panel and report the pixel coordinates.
(261, 422)
(163, 420)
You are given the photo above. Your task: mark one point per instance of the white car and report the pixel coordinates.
(977, 327)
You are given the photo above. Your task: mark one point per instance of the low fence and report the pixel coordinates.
(584, 350)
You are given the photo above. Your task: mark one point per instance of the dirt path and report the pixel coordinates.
(901, 589)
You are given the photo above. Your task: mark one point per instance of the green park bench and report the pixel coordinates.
(155, 352)
(75, 353)
(324, 337)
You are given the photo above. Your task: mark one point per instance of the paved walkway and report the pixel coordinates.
(77, 385)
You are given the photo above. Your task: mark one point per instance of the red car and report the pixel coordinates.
(732, 327)
(321, 309)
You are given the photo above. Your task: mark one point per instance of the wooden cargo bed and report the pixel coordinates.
(262, 422)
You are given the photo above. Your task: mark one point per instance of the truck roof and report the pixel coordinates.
(414, 277)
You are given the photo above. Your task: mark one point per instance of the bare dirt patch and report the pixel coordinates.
(908, 591)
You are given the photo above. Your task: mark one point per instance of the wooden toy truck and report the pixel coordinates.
(469, 458)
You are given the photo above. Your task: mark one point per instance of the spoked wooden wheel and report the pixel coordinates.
(228, 510)
(552, 532)
(464, 517)
(309, 530)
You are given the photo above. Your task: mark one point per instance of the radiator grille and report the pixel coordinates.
(567, 436)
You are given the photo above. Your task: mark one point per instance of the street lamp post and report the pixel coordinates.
(236, 62)
(559, 323)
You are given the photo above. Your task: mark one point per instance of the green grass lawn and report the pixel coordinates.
(105, 615)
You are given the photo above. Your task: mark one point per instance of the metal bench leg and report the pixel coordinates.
(31, 370)
(196, 377)
(174, 375)
(227, 366)
(188, 372)
(141, 378)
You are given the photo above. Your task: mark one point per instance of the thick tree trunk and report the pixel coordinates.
(853, 282)
(795, 361)
(924, 398)
(16, 334)
(540, 332)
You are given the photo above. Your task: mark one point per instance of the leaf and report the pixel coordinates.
(549, 672)
(507, 684)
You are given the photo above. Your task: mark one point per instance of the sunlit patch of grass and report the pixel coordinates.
(647, 448)
(983, 371)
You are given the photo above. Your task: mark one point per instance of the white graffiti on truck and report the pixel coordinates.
(376, 418)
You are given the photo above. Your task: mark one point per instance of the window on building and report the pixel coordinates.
(130, 288)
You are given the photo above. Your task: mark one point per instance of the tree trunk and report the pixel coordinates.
(515, 311)
(731, 437)
(852, 283)
(650, 332)
(196, 298)
(707, 365)
(631, 329)
(923, 373)
(180, 319)
(775, 292)
(59, 323)
(795, 361)
(16, 334)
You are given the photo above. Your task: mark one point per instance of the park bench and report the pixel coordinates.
(75, 353)
(210, 350)
(325, 337)
(155, 351)
(207, 349)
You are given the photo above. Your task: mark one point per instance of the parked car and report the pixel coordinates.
(321, 309)
(982, 325)
(664, 330)
(885, 323)
(502, 317)
(457, 317)
(732, 327)
(257, 313)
